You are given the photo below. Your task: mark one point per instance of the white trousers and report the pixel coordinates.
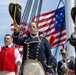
(32, 68)
(6, 73)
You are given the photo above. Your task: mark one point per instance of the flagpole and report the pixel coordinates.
(69, 26)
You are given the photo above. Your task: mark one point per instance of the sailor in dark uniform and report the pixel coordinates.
(36, 51)
(65, 66)
(72, 39)
(73, 35)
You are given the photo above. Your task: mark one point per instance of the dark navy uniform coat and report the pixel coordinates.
(37, 48)
(70, 66)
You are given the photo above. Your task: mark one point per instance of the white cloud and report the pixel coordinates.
(4, 2)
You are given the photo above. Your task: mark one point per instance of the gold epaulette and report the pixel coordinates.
(47, 39)
(48, 66)
(54, 56)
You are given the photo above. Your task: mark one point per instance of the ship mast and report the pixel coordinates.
(69, 26)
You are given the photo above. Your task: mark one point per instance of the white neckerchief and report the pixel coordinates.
(34, 36)
(73, 35)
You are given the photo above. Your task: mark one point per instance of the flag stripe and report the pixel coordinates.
(47, 24)
(59, 42)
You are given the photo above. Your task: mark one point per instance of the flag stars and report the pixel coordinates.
(61, 14)
(61, 20)
(56, 16)
(56, 22)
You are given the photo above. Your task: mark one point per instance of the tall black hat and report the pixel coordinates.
(73, 14)
(15, 12)
(63, 51)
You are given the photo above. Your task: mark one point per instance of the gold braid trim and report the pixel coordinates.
(47, 65)
(72, 40)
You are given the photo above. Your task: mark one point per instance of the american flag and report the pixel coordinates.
(53, 24)
(50, 24)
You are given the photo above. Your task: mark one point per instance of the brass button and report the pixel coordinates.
(27, 48)
(28, 51)
(36, 55)
(39, 43)
(37, 49)
(27, 54)
(38, 46)
(36, 58)
(36, 52)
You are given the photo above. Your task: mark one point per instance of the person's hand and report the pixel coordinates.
(16, 27)
(15, 74)
(75, 30)
(70, 71)
(47, 73)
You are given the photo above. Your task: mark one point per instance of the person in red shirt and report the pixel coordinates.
(10, 59)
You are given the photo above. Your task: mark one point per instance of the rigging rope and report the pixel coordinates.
(39, 9)
(27, 11)
(34, 8)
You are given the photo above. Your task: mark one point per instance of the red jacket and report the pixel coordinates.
(7, 59)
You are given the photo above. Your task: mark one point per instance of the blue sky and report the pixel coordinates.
(6, 20)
